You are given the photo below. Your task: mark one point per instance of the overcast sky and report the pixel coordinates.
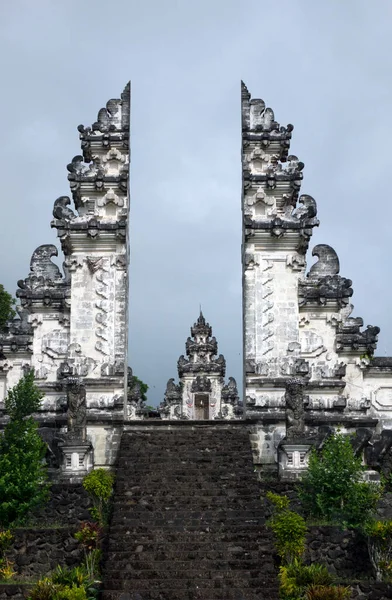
(326, 67)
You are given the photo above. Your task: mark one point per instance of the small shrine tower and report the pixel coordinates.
(201, 393)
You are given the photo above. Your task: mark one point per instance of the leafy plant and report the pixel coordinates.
(6, 539)
(328, 592)
(295, 578)
(6, 569)
(6, 566)
(89, 535)
(23, 473)
(133, 381)
(76, 576)
(6, 304)
(333, 486)
(44, 589)
(289, 529)
(70, 593)
(99, 484)
(379, 537)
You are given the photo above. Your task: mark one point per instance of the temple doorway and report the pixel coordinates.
(202, 403)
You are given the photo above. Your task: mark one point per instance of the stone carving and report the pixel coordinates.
(43, 272)
(229, 392)
(77, 410)
(295, 409)
(60, 210)
(327, 264)
(201, 384)
(136, 404)
(99, 265)
(201, 372)
(350, 337)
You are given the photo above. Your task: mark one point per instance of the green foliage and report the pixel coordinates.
(70, 593)
(279, 502)
(143, 386)
(379, 537)
(6, 539)
(295, 578)
(24, 399)
(90, 535)
(328, 592)
(6, 569)
(76, 576)
(99, 484)
(22, 470)
(6, 304)
(46, 589)
(333, 489)
(65, 584)
(289, 529)
(6, 566)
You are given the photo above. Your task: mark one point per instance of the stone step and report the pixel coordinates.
(187, 503)
(181, 580)
(252, 541)
(192, 512)
(195, 592)
(128, 488)
(134, 467)
(190, 552)
(188, 521)
(198, 475)
(180, 568)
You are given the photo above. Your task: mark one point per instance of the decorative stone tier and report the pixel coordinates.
(201, 392)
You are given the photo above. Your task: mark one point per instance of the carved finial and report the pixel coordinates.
(245, 95)
(310, 206)
(40, 263)
(327, 264)
(60, 210)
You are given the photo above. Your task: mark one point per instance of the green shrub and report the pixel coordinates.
(76, 576)
(90, 535)
(23, 473)
(70, 593)
(328, 592)
(44, 589)
(333, 486)
(6, 304)
(99, 484)
(379, 538)
(6, 566)
(296, 577)
(289, 529)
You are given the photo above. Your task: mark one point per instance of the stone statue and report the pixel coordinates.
(295, 411)
(77, 409)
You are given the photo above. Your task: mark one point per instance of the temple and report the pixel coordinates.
(201, 393)
(309, 364)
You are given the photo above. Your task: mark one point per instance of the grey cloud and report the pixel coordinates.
(323, 66)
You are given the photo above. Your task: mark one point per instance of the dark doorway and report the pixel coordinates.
(202, 402)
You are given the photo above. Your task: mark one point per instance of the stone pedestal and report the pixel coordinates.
(293, 460)
(77, 459)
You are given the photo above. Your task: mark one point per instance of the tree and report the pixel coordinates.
(333, 487)
(134, 381)
(6, 304)
(23, 476)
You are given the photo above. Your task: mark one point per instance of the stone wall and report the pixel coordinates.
(68, 505)
(13, 591)
(37, 552)
(343, 552)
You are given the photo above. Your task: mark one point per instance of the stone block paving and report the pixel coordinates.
(187, 520)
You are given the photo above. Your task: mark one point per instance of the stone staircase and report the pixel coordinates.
(187, 519)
